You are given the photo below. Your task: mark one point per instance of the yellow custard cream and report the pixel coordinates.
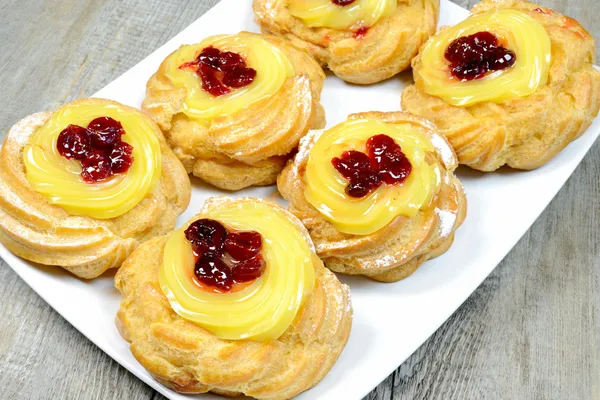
(58, 178)
(271, 64)
(265, 308)
(325, 186)
(516, 31)
(325, 13)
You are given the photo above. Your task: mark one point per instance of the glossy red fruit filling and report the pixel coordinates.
(238, 77)
(472, 57)
(224, 257)
(387, 156)
(207, 235)
(74, 142)
(361, 32)
(105, 132)
(343, 2)
(384, 163)
(212, 271)
(221, 70)
(95, 166)
(243, 245)
(98, 148)
(121, 157)
(248, 270)
(356, 167)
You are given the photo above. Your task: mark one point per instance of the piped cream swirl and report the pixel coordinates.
(516, 31)
(272, 66)
(325, 13)
(325, 187)
(262, 310)
(59, 179)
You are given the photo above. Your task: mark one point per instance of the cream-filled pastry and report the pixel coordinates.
(513, 84)
(234, 302)
(84, 185)
(361, 41)
(233, 107)
(377, 194)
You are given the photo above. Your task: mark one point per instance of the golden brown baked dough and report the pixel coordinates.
(249, 147)
(33, 229)
(526, 132)
(187, 358)
(387, 48)
(396, 251)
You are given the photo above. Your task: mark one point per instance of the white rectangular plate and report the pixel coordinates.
(390, 320)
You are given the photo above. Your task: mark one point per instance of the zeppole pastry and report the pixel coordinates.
(512, 85)
(377, 193)
(233, 107)
(81, 187)
(361, 41)
(235, 302)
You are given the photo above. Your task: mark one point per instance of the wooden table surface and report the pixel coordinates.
(531, 331)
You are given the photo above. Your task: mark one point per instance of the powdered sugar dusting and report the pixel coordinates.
(447, 220)
(27, 126)
(384, 261)
(306, 144)
(445, 151)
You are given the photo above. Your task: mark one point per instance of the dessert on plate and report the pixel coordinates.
(513, 84)
(377, 194)
(235, 302)
(233, 107)
(360, 41)
(83, 186)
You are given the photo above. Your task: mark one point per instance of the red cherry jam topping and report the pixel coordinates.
(224, 257)
(221, 71)
(74, 142)
(472, 57)
(120, 157)
(356, 167)
(95, 166)
(105, 132)
(384, 163)
(343, 2)
(98, 148)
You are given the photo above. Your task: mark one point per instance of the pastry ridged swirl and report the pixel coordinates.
(189, 359)
(395, 251)
(32, 228)
(386, 49)
(247, 147)
(522, 132)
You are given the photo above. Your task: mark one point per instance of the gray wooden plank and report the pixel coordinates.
(531, 331)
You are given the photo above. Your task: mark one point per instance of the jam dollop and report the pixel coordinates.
(384, 163)
(221, 71)
(98, 148)
(74, 142)
(224, 257)
(105, 132)
(472, 57)
(343, 2)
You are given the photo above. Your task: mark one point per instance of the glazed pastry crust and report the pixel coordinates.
(387, 48)
(185, 357)
(35, 230)
(523, 133)
(397, 250)
(251, 146)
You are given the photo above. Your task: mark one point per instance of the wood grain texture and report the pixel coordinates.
(531, 331)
